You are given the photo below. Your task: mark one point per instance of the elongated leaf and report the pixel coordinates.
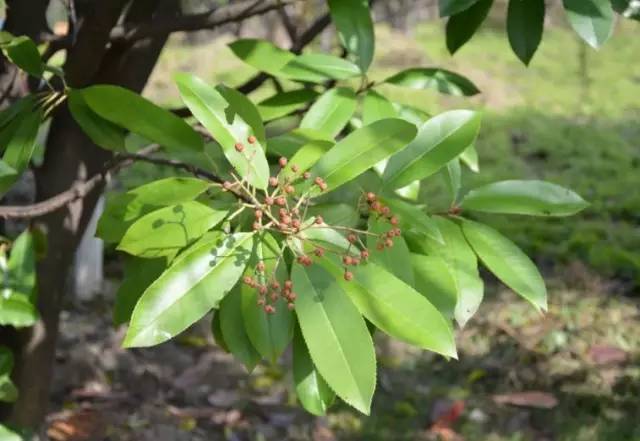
(245, 108)
(138, 115)
(442, 80)
(233, 330)
(392, 259)
(534, 198)
(17, 155)
(325, 237)
(165, 231)
(305, 158)
(261, 54)
(318, 68)
(16, 310)
(362, 149)
(591, 19)
(270, 334)
(435, 280)
(169, 191)
(336, 214)
(395, 307)
(24, 104)
(507, 262)
(355, 28)
(102, 132)
(193, 285)
(289, 143)
(138, 275)
(470, 158)
(461, 26)
(451, 7)
(6, 171)
(311, 389)
(376, 107)
(453, 179)
(337, 337)
(22, 266)
(285, 103)
(331, 112)
(227, 127)
(23, 52)
(217, 332)
(439, 140)
(7, 434)
(413, 216)
(525, 23)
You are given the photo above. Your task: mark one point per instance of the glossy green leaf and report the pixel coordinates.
(165, 231)
(355, 28)
(470, 157)
(261, 54)
(305, 158)
(22, 265)
(376, 107)
(337, 337)
(451, 7)
(270, 334)
(413, 216)
(23, 132)
(439, 140)
(336, 214)
(362, 149)
(392, 259)
(138, 115)
(318, 68)
(442, 80)
(435, 280)
(7, 434)
(312, 391)
(289, 143)
(325, 237)
(395, 307)
(453, 179)
(284, 103)
(169, 191)
(331, 112)
(217, 332)
(23, 52)
(525, 23)
(139, 273)
(534, 198)
(463, 25)
(227, 126)
(102, 132)
(507, 262)
(592, 20)
(16, 309)
(24, 104)
(245, 109)
(233, 330)
(194, 284)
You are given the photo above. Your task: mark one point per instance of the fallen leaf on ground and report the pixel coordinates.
(605, 355)
(537, 399)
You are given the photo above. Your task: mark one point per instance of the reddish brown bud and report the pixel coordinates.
(352, 238)
(258, 214)
(285, 220)
(274, 296)
(226, 185)
(283, 162)
(371, 197)
(380, 246)
(239, 147)
(257, 225)
(269, 309)
(292, 296)
(375, 206)
(306, 175)
(251, 139)
(291, 306)
(248, 280)
(261, 301)
(295, 223)
(295, 168)
(397, 232)
(347, 260)
(319, 220)
(262, 290)
(273, 181)
(319, 252)
(281, 201)
(355, 261)
(393, 220)
(289, 189)
(388, 243)
(364, 254)
(348, 276)
(323, 186)
(288, 284)
(260, 267)
(318, 180)
(386, 211)
(268, 200)
(282, 212)
(275, 284)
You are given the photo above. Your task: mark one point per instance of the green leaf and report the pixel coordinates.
(283, 103)
(461, 26)
(442, 80)
(413, 216)
(245, 109)
(534, 198)
(312, 390)
(217, 332)
(194, 284)
(463, 265)
(395, 307)
(376, 107)
(507, 262)
(8, 390)
(233, 330)
(331, 112)
(453, 179)
(23, 131)
(16, 310)
(392, 259)
(325, 237)
(165, 231)
(9, 435)
(24, 104)
(318, 68)
(439, 140)
(525, 23)
(270, 334)
(6, 360)
(261, 54)
(22, 266)
(592, 20)
(451, 7)
(227, 126)
(435, 280)
(289, 143)
(169, 191)
(362, 149)
(355, 28)
(138, 275)
(337, 337)
(23, 52)
(305, 158)
(336, 214)
(139, 115)
(470, 157)
(102, 132)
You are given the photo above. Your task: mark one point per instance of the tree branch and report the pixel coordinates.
(83, 188)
